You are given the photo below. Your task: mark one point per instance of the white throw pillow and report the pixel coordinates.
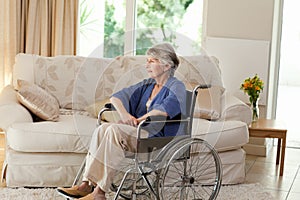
(208, 103)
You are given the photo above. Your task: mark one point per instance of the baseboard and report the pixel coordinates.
(258, 149)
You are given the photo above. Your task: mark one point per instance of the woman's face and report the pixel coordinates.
(155, 68)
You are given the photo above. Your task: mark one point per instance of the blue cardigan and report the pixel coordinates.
(170, 99)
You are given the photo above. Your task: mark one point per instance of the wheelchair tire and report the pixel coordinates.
(193, 172)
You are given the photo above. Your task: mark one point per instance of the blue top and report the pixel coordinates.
(170, 99)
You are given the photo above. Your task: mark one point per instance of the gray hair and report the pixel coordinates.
(165, 53)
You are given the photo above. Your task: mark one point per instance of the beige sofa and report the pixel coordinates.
(65, 93)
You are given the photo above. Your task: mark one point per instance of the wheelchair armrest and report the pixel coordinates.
(159, 118)
(162, 119)
(107, 107)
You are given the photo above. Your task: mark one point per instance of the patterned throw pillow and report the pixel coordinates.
(38, 101)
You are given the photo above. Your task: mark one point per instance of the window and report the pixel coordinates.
(115, 27)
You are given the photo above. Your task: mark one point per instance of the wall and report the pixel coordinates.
(243, 19)
(239, 34)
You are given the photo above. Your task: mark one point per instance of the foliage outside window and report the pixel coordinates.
(157, 21)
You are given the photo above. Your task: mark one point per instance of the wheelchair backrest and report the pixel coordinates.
(147, 145)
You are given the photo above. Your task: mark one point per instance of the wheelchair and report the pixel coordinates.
(177, 167)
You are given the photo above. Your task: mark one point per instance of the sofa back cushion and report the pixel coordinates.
(199, 69)
(192, 70)
(78, 82)
(71, 79)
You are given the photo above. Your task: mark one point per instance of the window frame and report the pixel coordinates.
(130, 25)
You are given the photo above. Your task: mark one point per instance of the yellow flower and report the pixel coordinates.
(253, 87)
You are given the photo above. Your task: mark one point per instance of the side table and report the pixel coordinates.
(270, 128)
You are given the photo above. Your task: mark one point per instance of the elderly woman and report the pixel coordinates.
(161, 94)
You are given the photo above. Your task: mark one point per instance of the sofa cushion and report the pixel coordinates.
(199, 69)
(66, 77)
(72, 133)
(95, 108)
(57, 75)
(222, 135)
(208, 103)
(122, 72)
(235, 109)
(88, 75)
(38, 100)
(24, 68)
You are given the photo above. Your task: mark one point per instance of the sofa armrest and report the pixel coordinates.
(11, 113)
(8, 95)
(235, 109)
(11, 110)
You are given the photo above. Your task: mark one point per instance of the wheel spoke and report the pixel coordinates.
(200, 178)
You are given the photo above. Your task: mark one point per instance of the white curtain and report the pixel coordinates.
(43, 27)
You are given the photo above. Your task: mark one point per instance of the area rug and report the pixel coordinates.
(235, 192)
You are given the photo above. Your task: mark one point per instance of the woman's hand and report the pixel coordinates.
(126, 118)
(152, 113)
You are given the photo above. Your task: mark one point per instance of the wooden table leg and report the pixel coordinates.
(278, 151)
(282, 155)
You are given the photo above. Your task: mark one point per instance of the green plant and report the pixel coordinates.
(85, 15)
(253, 87)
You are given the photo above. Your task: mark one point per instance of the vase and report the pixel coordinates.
(255, 110)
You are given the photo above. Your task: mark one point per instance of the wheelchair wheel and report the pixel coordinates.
(193, 172)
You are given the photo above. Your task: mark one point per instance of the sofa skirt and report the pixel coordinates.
(40, 169)
(60, 169)
(233, 165)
